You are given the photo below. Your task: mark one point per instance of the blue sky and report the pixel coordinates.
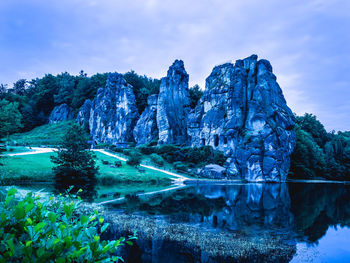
(307, 42)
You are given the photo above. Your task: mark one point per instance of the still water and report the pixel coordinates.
(312, 219)
(289, 222)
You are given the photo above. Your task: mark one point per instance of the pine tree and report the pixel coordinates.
(75, 163)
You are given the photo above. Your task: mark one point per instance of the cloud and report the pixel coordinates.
(306, 42)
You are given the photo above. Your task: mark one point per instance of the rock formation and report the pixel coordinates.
(61, 113)
(173, 105)
(84, 114)
(146, 129)
(244, 114)
(113, 113)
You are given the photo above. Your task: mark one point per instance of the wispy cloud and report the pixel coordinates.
(307, 42)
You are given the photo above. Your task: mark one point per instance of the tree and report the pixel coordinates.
(19, 87)
(75, 163)
(310, 124)
(10, 118)
(3, 90)
(142, 87)
(195, 95)
(66, 84)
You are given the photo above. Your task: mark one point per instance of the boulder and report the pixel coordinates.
(146, 129)
(213, 171)
(244, 114)
(173, 106)
(61, 113)
(113, 113)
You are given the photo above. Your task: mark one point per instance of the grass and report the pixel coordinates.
(49, 134)
(29, 170)
(126, 173)
(38, 167)
(16, 149)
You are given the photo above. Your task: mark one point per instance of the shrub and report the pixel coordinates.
(134, 158)
(118, 163)
(105, 162)
(144, 149)
(180, 166)
(157, 159)
(102, 146)
(52, 230)
(153, 143)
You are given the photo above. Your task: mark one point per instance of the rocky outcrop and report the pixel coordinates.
(146, 129)
(61, 113)
(173, 105)
(83, 116)
(244, 114)
(113, 113)
(213, 171)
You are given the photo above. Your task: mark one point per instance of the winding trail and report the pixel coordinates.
(179, 176)
(38, 150)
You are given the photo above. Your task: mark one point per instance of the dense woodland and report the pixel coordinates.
(28, 104)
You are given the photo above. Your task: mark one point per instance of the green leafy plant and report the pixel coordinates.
(35, 229)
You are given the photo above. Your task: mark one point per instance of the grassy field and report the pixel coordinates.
(38, 167)
(17, 149)
(49, 134)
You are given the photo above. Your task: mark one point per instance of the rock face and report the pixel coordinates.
(61, 113)
(83, 116)
(113, 113)
(213, 171)
(244, 114)
(146, 129)
(173, 105)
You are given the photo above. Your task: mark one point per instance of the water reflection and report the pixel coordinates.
(316, 207)
(296, 210)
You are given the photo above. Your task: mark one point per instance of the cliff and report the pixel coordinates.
(242, 113)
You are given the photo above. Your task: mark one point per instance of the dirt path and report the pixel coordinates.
(36, 150)
(178, 176)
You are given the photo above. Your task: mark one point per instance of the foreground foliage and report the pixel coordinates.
(33, 229)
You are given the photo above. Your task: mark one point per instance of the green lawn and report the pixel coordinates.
(49, 134)
(17, 149)
(38, 167)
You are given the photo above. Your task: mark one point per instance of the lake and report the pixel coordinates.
(241, 222)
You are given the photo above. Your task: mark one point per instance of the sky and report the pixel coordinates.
(307, 43)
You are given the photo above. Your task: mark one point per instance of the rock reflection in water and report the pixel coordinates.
(251, 222)
(251, 205)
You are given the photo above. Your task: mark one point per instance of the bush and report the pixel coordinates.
(147, 150)
(157, 159)
(52, 230)
(118, 164)
(105, 162)
(180, 166)
(103, 146)
(196, 155)
(134, 158)
(153, 143)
